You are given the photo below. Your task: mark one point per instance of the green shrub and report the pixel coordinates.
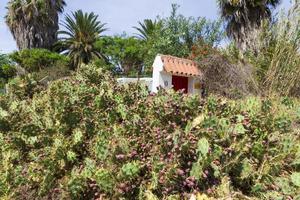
(7, 70)
(86, 137)
(4, 59)
(33, 60)
(43, 66)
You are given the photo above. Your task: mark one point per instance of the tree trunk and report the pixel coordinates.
(36, 31)
(246, 25)
(248, 39)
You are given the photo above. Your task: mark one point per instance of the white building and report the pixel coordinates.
(176, 73)
(171, 72)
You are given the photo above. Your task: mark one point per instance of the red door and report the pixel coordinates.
(180, 83)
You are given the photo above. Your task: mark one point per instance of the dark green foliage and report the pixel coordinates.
(34, 60)
(175, 35)
(4, 59)
(7, 69)
(126, 54)
(86, 137)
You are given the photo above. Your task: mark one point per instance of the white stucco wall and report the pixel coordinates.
(165, 80)
(160, 77)
(145, 81)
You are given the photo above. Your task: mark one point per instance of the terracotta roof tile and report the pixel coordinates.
(180, 66)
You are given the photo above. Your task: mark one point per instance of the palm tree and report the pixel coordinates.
(147, 28)
(82, 31)
(244, 19)
(34, 23)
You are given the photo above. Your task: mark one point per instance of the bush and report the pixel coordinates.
(34, 60)
(4, 59)
(25, 86)
(87, 137)
(7, 70)
(43, 66)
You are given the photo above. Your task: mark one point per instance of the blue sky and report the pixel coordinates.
(122, 15)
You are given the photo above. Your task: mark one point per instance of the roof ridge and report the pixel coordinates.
(180, 66)
(178, 58)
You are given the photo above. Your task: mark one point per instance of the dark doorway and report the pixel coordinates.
(180, 83)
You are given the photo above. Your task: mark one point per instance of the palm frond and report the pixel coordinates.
(147, 28)
(82, 30)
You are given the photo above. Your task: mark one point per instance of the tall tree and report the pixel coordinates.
(178, 34)
(82, 31)
(244, 19)
(126, 54)
(34, 23)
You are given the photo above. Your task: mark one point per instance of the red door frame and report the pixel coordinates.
(180, 83)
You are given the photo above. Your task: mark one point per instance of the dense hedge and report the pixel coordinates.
(34, 60)
(86, 137)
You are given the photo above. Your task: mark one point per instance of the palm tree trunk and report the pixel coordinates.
(38, 29)
(248, 39)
